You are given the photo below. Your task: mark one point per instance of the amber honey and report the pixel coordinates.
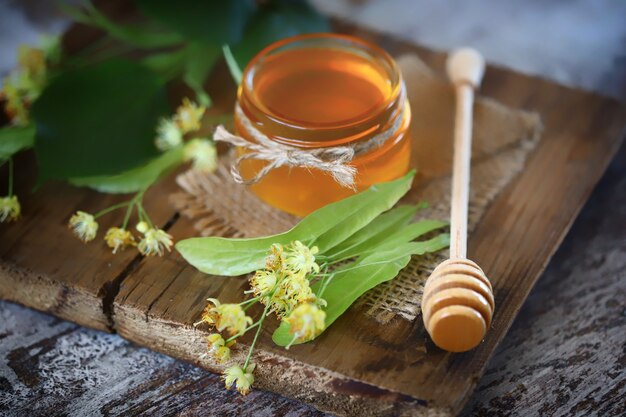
(317, 91)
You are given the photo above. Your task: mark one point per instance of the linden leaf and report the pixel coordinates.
(379, 228)
(277, 20)
(135, 179)
(199, 62)
(14, 139)
(223, 256)
(136, 35)
(98, 120)
(214, 22)
(356, 278)
(390, 239)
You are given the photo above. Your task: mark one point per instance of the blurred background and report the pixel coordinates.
(579, 43)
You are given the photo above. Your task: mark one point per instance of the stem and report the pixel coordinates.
(139, 214)
(325, 284)
(110, 209)
(335, 255)
(252, 326)
(144, 214)
(321, 274)
(248, 306)
(129, 211)
(232, 64)
(249, 301)
(336, 261)
(132, 204)
(10, 177)
(256, 336)
(372, 263)
(108, 53)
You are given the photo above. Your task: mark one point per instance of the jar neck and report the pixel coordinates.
(301, 133)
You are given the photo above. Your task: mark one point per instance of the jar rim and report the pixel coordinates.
(353, 129)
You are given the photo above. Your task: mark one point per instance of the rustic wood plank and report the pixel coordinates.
(580, 377)
(368, 368)
(565, 352)
(397, 363)
(51, 367)
(67, 278)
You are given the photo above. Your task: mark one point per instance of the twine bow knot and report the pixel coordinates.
(332, 160)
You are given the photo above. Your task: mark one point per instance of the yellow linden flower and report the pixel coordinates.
(221, 354)
(263, 282)
(118, 238)
(10, 209)
(300, 258)
(154, 242)
(32, 61)
(217, 347)
(229, 317)
(24, 84)
(84, 226)
(306, 322)
(291, 291)
(241, 378)
(274, 261)
(15, 105)
(189, 115)
(168, 135)
(142, 227)
(203, 154)
(215, 340)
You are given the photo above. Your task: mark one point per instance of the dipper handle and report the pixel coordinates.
(458, 302)
(465, 69)
(466, 66)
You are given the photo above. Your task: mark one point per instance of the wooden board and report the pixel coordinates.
(357, 367)
(566, 360)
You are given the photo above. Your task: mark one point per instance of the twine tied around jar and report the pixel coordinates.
(333, 160)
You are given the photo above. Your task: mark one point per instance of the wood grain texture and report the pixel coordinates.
(550, 363)
(566, 352)
(357, 368)
(49, 367)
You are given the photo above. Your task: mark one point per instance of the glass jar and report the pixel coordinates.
(320, 91)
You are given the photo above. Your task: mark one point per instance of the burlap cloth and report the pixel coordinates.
(503, 138)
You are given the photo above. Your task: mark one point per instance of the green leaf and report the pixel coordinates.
(222, 256)
(406, 234)
(277, 20)
(355, 221)
(381, 226)
(214, 22)
(355, 279)
(199, 62)
(387, 226)
(98, 120)
(167, 64)
(136, 179)
(14, 139)
(134, 35)
(194, 63)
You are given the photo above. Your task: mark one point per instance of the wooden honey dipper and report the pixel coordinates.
(458, 303)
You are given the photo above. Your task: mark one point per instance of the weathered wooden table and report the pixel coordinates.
(562, 355)
(565, 354)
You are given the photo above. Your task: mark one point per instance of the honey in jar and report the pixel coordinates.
(323, 91)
